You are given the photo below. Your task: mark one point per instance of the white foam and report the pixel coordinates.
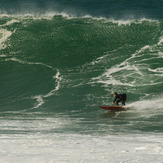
(5, 35)
(3, 56)
(157, 70)
(10, 22)
(39, 100)
(94, 18)
(73, 148)
(160, 54)
(121, 21)
(160, 40)
(26, 62)
(156, 103)
(58, 80)
(99, 59)
(131, 21)
(115, 82)
(109, 76)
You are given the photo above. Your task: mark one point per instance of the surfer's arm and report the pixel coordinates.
(114, 100)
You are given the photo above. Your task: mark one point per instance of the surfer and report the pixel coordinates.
(119, 97)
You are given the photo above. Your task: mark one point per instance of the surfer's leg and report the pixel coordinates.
(123, 102)
(117, 102)
(124, 99)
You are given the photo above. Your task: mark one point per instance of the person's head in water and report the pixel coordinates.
(115, 94)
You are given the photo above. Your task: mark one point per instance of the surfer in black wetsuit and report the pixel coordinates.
(119, 97)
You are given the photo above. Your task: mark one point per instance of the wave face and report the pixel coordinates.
(80, 61)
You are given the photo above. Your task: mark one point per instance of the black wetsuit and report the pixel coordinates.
(119, 98)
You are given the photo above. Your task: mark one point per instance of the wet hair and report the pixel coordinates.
(115, 93)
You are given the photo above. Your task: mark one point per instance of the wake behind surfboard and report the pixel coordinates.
(113, 108)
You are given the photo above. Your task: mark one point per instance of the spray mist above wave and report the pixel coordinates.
(116, 9)
(150, 104)
(50, 15)
(51, 10)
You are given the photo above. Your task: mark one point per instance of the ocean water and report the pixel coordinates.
(60, 60)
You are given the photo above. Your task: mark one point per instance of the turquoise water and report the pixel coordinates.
(61, 60)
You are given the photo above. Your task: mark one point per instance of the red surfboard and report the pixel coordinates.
(113, 108)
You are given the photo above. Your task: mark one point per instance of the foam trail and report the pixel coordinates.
(58, 80)
(39, 98)
(29, 63)
(10, 22)
(157, 70)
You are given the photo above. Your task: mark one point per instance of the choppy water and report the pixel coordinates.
(60, 60)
